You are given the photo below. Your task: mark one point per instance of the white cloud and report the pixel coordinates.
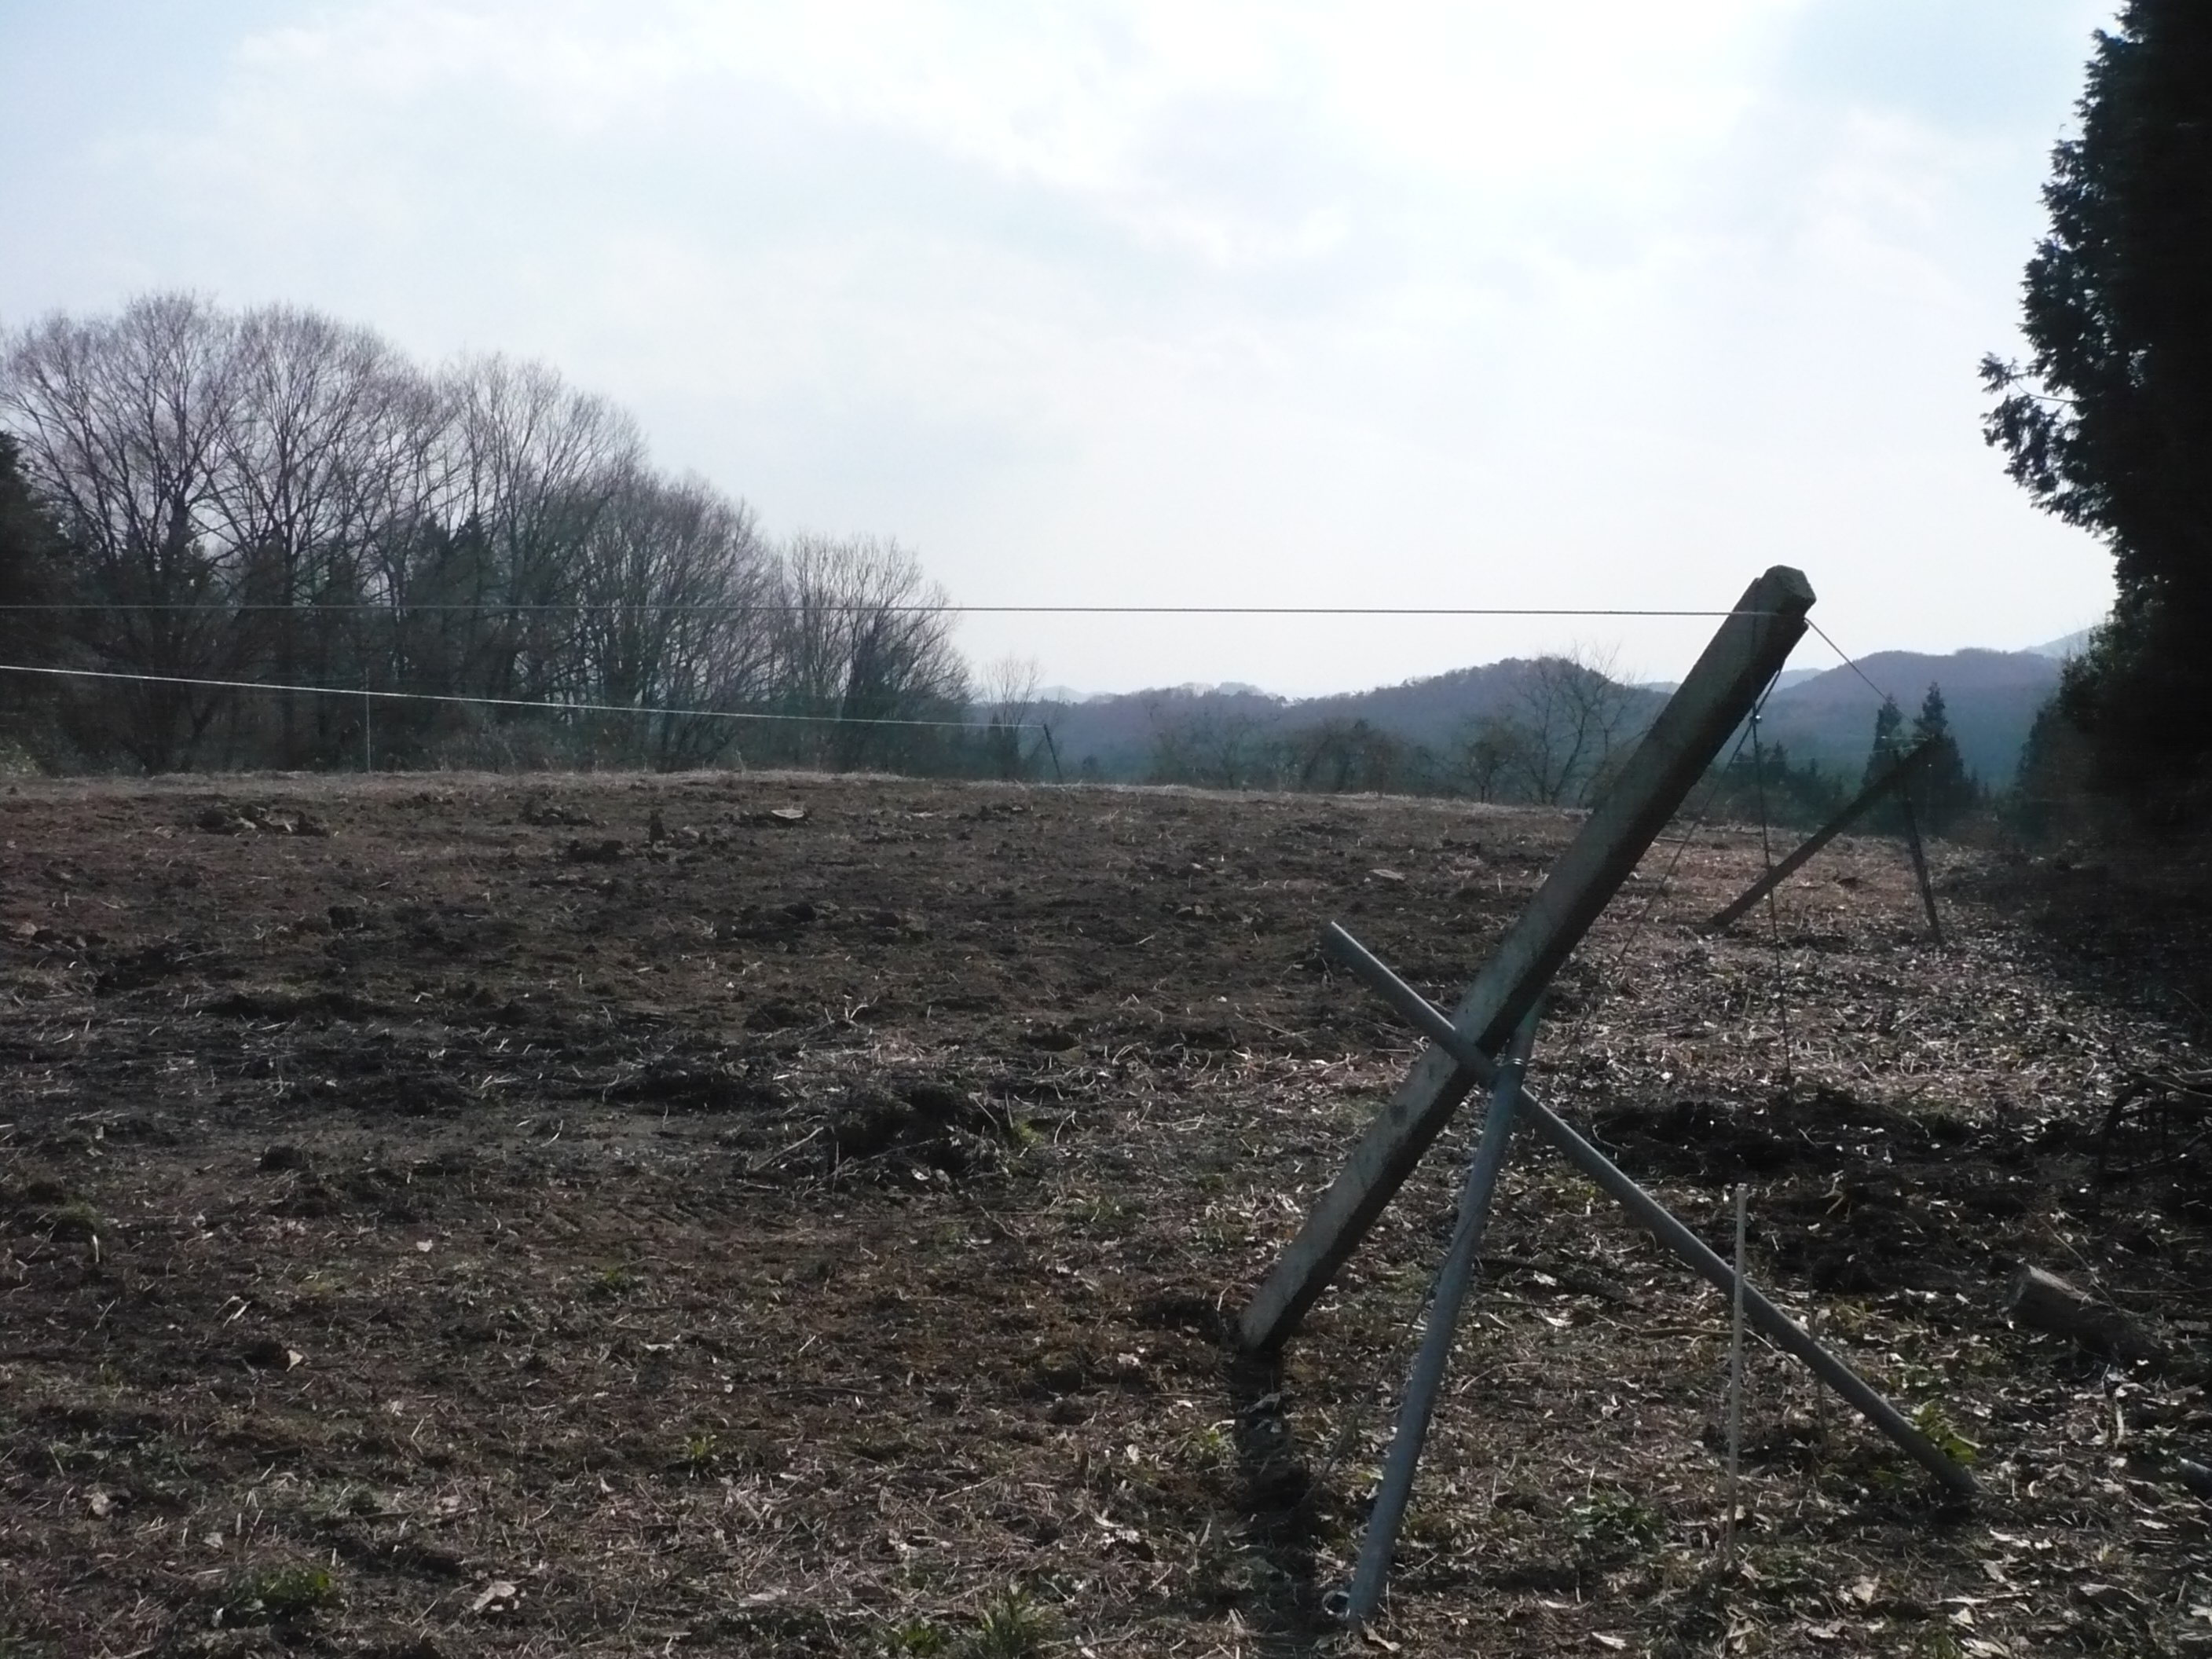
(1238, 131)
(1478, 302)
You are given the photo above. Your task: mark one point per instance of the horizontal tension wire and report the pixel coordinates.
(504, 702)
(788, 608)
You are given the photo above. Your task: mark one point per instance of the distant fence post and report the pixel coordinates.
(1893, 779)
(1920, 870)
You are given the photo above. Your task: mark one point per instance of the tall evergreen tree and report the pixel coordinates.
(1943, 789)
(2108, 425)
(1887, 748)
(2048, 798)
(25, 533)
(29, 555)
(1888, 740)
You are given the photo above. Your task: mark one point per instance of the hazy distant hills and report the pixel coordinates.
(1825, 714)
(1112, 737)
(1991, 697)
(1115, 734)
(2067, 645)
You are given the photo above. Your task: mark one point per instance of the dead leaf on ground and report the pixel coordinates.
(497, 1597)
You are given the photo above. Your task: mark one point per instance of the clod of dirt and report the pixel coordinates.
(776, 921)
(925, 1123)
(778, 1015)
(546, 814)
(41, 1190)
(2047, 1302)
(400, 1085)
(222, 820)
(277, 1003)
(267, 1353)
(148, 963)
(672, 1085)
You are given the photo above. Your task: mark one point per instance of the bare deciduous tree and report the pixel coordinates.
(539, 463)
(1482, 757)
(295, 496)
(864, 639)
(1570, 715)
(122, 423)
(1342, 756)
(1214, 749)
(280, 497)
(678, 592)
(1007, 696)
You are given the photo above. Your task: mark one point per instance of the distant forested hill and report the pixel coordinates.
(1823, 715)
(1991, 695)
(1121, 737)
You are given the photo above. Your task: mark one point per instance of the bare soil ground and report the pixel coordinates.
(444, 1217)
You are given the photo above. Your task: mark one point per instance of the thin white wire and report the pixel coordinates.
(736, 607)
(498, 702)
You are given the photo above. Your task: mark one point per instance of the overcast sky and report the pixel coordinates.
(1576, 303)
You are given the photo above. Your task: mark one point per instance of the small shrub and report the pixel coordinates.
(1011, 1627)
(1208, 1448)
(75, 1220)
(1932, 1420)
(279, 1594)
(700, 1451)
(1612, 1526)
(609, 1283)
(918, 1636)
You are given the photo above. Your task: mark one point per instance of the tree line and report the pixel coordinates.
(1554, 741)
(191, 496)
(1558, 741)
(2107, 423)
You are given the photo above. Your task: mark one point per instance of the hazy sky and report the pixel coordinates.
(1586, 302)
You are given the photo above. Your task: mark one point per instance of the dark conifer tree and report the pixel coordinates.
(29, 572)
(2108, 424)
(1886, 750)
(1888, 740)
(1943, 790)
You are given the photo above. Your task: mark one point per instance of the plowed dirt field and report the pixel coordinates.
(793, 1215)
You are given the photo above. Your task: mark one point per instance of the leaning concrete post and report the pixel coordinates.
(1747, 652)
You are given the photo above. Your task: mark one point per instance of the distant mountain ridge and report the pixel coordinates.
(1827, 715)
(2066, 645)
(1990, 698)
